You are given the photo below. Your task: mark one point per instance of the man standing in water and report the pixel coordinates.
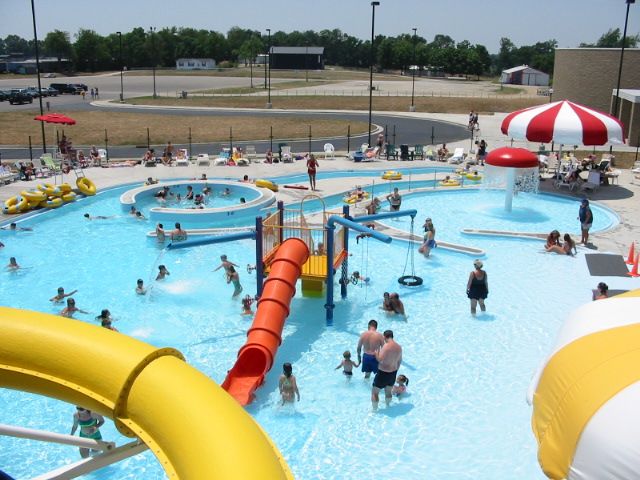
(371, 341)
(389, 359)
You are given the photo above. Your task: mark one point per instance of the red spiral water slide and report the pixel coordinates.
(255, 358)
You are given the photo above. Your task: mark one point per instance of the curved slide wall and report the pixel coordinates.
(191, 425)
(256, 356)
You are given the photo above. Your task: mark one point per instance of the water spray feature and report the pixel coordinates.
(514, 169)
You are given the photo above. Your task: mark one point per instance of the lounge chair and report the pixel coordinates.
(429, 155)
(103, 156)
(7, 176)
(329, 151)
(418, 151)
(203, 160)
(566, 180)
(458, 156)
(50, 163)
(286, 154)
(40, 168)
(593, 181)
(391, 151)
(182, 158)
(250, 152)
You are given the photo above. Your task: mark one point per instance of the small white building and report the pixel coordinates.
(524, 75)
(195, 64)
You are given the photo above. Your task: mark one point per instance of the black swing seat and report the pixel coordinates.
(410, 281)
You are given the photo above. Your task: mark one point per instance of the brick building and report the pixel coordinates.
(589, 76)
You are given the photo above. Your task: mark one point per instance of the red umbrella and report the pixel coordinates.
(55, 118)
(512, 158)
(563, 122)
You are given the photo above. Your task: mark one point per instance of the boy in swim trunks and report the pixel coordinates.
(347, 364)
(61, 295)
(371, 341)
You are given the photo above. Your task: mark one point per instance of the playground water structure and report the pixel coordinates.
(469, 423)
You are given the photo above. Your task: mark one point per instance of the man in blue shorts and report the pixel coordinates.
(371, 341)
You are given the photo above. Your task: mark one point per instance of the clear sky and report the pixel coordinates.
(479, 21)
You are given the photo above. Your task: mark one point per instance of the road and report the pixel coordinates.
(399, 128)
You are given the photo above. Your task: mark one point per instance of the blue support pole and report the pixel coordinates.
(197, 242)
(259, 254)
(329, 306)
(380, 216)
(333, 219)
(345, 263)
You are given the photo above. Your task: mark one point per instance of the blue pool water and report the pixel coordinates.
(465, 417)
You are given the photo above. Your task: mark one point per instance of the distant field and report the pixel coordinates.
(423, 104)
(131, 128)
(260, 88)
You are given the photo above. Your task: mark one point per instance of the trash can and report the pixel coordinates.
(358, 156)
(184, 94)
(404, 152)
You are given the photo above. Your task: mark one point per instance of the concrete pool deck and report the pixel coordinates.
(621, 197)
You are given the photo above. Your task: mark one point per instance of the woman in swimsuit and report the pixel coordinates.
(553, 239)
(429, 238)
(567, 248)
(89, 424)
(312, 166)
(287, 385)
(70, 309)
(477, 287)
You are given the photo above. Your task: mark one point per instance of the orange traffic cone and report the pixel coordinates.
(632, 253)
(634, 270)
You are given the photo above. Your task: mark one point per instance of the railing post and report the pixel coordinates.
(106, 144)
(30, 149)
(348, 139)
(259, 255)
(329, 306)
(345, 264)
(148, 140)
(281, 221)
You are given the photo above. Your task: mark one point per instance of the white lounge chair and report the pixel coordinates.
(250, 152)
(593, 181)
(182, 158)
(458, 156)
(102, 154)
(286, 154)
(203, 160)
(329, 151)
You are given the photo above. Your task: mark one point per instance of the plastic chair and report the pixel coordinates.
(329, 150)
(418, 151)
(391, 151)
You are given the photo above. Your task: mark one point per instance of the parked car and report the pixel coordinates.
(50, 75)
(20, 96)
(82, 86)
(67, 88)
(4, 95)
(50, 92)
(33, 91)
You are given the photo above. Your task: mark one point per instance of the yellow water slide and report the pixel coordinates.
(194, 428)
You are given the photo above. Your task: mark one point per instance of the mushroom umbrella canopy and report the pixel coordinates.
(563, 122)
(515, 169)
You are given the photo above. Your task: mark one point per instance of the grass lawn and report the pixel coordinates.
(131, 128)
(260, 88)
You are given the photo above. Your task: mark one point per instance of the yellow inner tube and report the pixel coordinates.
(262, 183)
(450, 183)
(65, 188)
(471, 176)
(86, 186)
(68, 197)
(33, 196)
(392, 175)
(15, 204)
(49, 189)
(354, 198)
(52, 202)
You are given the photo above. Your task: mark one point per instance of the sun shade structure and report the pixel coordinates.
(563, 122)
(514, 169)
(55, 118)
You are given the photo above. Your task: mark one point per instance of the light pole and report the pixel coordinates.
(269, 60)
(121, 68)
(153, 59)
(35, 41)
(412, 108)
(373, 23)
(624, 39)
(306, 62)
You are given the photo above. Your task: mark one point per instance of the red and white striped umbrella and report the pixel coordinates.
(563, 122)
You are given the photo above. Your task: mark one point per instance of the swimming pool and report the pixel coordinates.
(465, 417)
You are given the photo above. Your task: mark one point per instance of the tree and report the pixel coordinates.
(16, 44)
(58, 44)
(613, 39)
(249, 49)
(506, 54)
(91, 50)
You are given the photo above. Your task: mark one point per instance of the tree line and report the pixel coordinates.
(90, 51)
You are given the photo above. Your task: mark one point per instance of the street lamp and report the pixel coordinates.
(412, 108)
(373, 23)
(269, 60)
(153, 59)
(624, 39)
(35, 41)
(121, 68)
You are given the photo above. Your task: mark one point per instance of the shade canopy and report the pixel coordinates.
(563, 122)
(510, 157)
(55, 118)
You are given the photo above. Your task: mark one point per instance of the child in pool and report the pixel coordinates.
(287, 385)
(347, 364)
(162, 272)
(247, 301)
(401, 385)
